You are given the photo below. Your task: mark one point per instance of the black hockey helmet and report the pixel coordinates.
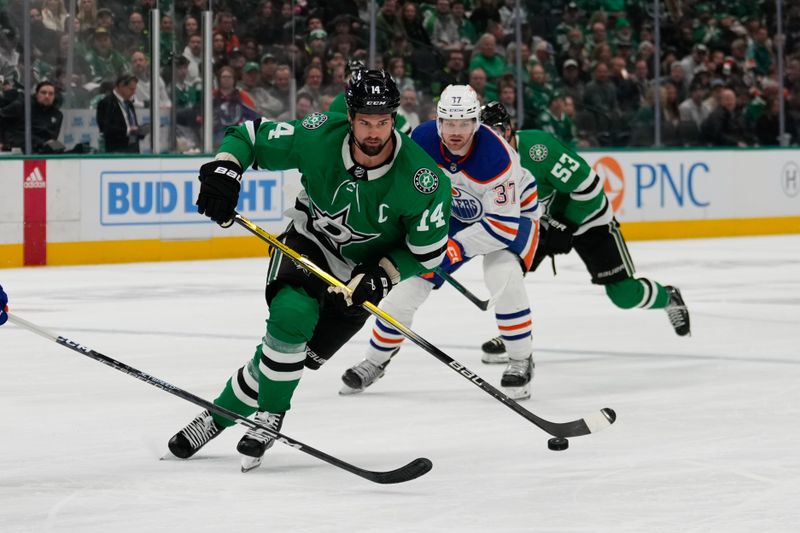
(372, 92)
(494, 115)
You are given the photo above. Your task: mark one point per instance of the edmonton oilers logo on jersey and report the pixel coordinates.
(426, 181)
(314, 121)
(466, 207)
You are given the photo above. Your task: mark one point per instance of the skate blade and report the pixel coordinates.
(349, 391)
(250, 463)
(494, 358)
(518, 393)
(169, 456)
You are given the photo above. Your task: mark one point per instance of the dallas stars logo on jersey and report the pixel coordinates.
(335, 227)
(314, 121)
(538, 152)
(425, 181)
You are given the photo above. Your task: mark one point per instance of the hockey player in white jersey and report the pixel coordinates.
(495, 214)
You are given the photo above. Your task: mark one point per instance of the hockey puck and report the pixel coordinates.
(558, 444)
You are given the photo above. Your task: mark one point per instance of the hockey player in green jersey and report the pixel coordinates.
(373, 209)
(579, 215)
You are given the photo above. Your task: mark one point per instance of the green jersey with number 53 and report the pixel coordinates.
(568, 187)
(399, 210)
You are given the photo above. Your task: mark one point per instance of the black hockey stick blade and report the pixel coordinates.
(412, 470)
(576, 428)
(416, 468)
(483, 305)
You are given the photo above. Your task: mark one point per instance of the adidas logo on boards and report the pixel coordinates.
(34, 180)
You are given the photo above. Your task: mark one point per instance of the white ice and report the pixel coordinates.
(707, 435)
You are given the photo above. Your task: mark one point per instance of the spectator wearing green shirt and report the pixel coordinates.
(759, 55)
(598, 36)
(466, 29)
(442, 28)
(555, 121)
(569, 23)
(104, 62)
(538, 94)
(388, 24)
(493, 64)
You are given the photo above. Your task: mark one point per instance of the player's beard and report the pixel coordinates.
(371, 150)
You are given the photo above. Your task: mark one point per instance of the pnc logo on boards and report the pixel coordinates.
(613, 178)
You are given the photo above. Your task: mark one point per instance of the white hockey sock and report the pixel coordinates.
(401, 304)
(503, 276)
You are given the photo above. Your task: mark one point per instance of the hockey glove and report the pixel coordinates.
(3, 306)
(219, 191)
(557, 235)
(453, 255)
(370, 283)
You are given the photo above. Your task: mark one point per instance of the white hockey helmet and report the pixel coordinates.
(458, 102)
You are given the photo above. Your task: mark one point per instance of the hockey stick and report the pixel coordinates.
(412, 470)
(576, 428)
(483, 305)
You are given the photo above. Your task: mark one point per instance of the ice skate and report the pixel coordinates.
(360, 376)
(517, 376)
(194, 436)
(494, 351)
(677, 312)
(256, 441)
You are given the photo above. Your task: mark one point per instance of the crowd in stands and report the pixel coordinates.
(587, 70)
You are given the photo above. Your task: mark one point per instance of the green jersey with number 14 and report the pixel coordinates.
(355, 214)
(569, 188)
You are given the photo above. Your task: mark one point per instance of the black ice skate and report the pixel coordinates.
(256, 441)
(362, 375)
(197, 434)
(494, 351)
(517, 376)
(677, 312)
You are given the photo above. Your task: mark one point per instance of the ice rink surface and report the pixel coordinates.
(707, 437)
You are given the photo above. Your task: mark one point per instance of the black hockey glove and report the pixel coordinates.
(370, 283)
(220, 182)
(557, 235)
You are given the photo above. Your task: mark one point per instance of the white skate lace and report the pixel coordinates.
(367, 371)
(271, 420)
(676, 314)
(517, 367)
(200, 430)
